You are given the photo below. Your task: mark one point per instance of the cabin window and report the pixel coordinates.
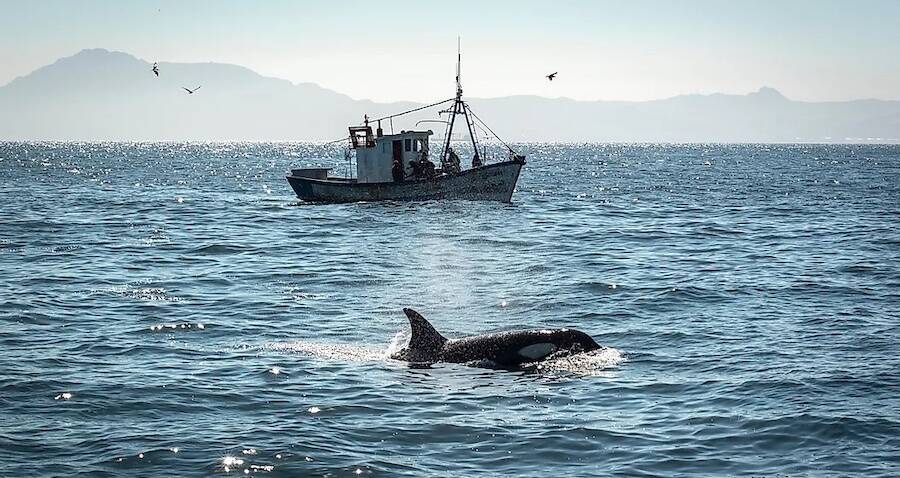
(408, 144)
(416, 145)
(384, 147)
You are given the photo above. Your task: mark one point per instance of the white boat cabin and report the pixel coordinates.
(375, 155)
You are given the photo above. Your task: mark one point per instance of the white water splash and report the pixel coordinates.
(595, 363)
(335, 352)
(398, 342)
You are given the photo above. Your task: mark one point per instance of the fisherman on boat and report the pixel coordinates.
(452, 166)
(476, 160)
(397, 171)
(422, 168)
(416, 167)
(427, 168)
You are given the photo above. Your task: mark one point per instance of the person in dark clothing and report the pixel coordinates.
(428, 168)
(416, 169)
(452, 162)
(397, 171)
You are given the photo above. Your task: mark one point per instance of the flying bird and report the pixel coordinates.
(190, 92)
(155, 69)
(551, 76)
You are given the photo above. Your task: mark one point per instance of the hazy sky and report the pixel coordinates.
(394, 50)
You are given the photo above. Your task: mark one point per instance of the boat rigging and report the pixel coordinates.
(397, 166)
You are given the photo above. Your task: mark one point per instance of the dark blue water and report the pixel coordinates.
(171, 310)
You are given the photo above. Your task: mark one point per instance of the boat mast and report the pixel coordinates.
(454, 109)
(459, 106)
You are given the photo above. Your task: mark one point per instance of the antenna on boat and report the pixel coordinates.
(459, 107)
(458, 69)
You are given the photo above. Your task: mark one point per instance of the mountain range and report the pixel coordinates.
(98, 94)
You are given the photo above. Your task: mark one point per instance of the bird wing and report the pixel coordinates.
(185, 89)
(198, 87)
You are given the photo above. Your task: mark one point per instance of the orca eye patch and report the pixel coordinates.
(537, 351)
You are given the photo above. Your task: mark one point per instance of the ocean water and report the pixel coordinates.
(172, 310)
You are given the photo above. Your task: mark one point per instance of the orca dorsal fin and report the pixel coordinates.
(423, 335)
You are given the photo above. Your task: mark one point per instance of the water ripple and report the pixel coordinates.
(172, 309)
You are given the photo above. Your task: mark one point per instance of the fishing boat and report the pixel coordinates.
(398, 167)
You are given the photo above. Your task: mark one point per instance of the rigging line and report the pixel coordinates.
(345, 138)
(444, 151)
(484, 131)
(413, 110)
(482, 123)
(469, 123)
(446, 129)
(489, 129)
(487, 136)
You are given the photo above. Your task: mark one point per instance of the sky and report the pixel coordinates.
(821, 50)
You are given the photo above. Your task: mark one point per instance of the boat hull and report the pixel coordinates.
(493, 182)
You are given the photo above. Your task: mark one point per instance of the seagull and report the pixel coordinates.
(155, 69)
(190, 92)
(551, 76)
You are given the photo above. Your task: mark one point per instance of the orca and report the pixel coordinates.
(504, 349)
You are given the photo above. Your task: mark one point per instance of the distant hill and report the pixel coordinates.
(103, 95)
